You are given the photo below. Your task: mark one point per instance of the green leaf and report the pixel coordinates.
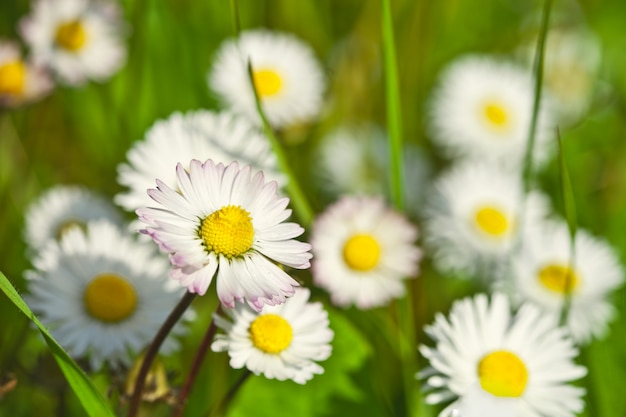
(92, 400)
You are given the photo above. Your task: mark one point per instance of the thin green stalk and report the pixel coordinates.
(220, 410)
(153, 350)
(404, 307)
(538, 65)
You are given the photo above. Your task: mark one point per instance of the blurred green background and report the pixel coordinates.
(80, 135)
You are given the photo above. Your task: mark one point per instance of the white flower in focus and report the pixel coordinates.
(484, 356)
(20, 81)
(224, 220)
(544, 275)
(102, 294)
(482, 108)
(63, 207)
(286, 74)
(79, 40)
(281, 342)
(221, 137)
(363, 252)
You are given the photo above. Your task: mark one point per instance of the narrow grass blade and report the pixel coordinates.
(91, 399)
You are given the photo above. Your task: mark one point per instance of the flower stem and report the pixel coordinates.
(153, 350)
(195, 367)
(221, 408)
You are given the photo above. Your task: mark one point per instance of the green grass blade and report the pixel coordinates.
(92, 400)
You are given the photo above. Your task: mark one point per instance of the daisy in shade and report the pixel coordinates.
(63, 207)
(472, 218)
(488, 360)
(363, 251)
(544, 274)
(78, 39)
(482, 108)
(20, 81)
(224, 220)
(287, 77)
(222, 137)
(102, 294)
(281, 342)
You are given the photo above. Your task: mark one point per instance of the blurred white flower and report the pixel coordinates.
(21, 81)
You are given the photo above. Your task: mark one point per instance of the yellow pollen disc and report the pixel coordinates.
(491, 221)
(228, 231)
(67, 225)
(361, 252)
(558, 278)
(71, 35)
(110, 298)
(12, 78)
(267, 82)
(496, 115)
(503, 374)
(271, 333)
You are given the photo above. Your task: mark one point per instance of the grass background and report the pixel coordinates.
(79, 135)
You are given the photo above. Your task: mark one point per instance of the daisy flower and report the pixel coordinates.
(286, 75)
(102, 294)
(472, 218)
(222, 137)
(77, 39)
(486, 357)
(363, 251)
(544, 275)
(20, 81)
(223, 220)
(63, 207)
(482, 108)
(281, 342)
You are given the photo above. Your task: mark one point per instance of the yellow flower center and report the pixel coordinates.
(71, 35)
(12, 78)
(492, 221)
(271, 333)
(503, 374)
(558, 278)
(361, 252)
(228, 231)
(67, 225)
(496, 115)
(267, 82)
(110, 298)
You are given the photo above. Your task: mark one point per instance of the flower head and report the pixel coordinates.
(223, 220)
(281, 342)
(363, 252)
(20, 81)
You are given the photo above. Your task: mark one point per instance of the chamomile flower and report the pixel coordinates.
(472, 219)
(482, 109)
(522, 363)
(222, 137)
(224, 220)
(102, 294)
(363, 251)
(281, 342)
(544, 274)
(63, 207)
(287, 77)
(78, 39)
(20, 81)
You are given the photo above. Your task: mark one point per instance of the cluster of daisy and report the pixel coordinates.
(68, 41)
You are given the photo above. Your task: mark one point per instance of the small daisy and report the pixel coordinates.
(543, 274)
(222, 219)
(222, 137)
(20, 81)
(363, 251)
(482, 109)
(486, 356)
(472, 218)
(281, 342)
(286, 75)
(62, 207)
(77, 39)
(102, 294)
